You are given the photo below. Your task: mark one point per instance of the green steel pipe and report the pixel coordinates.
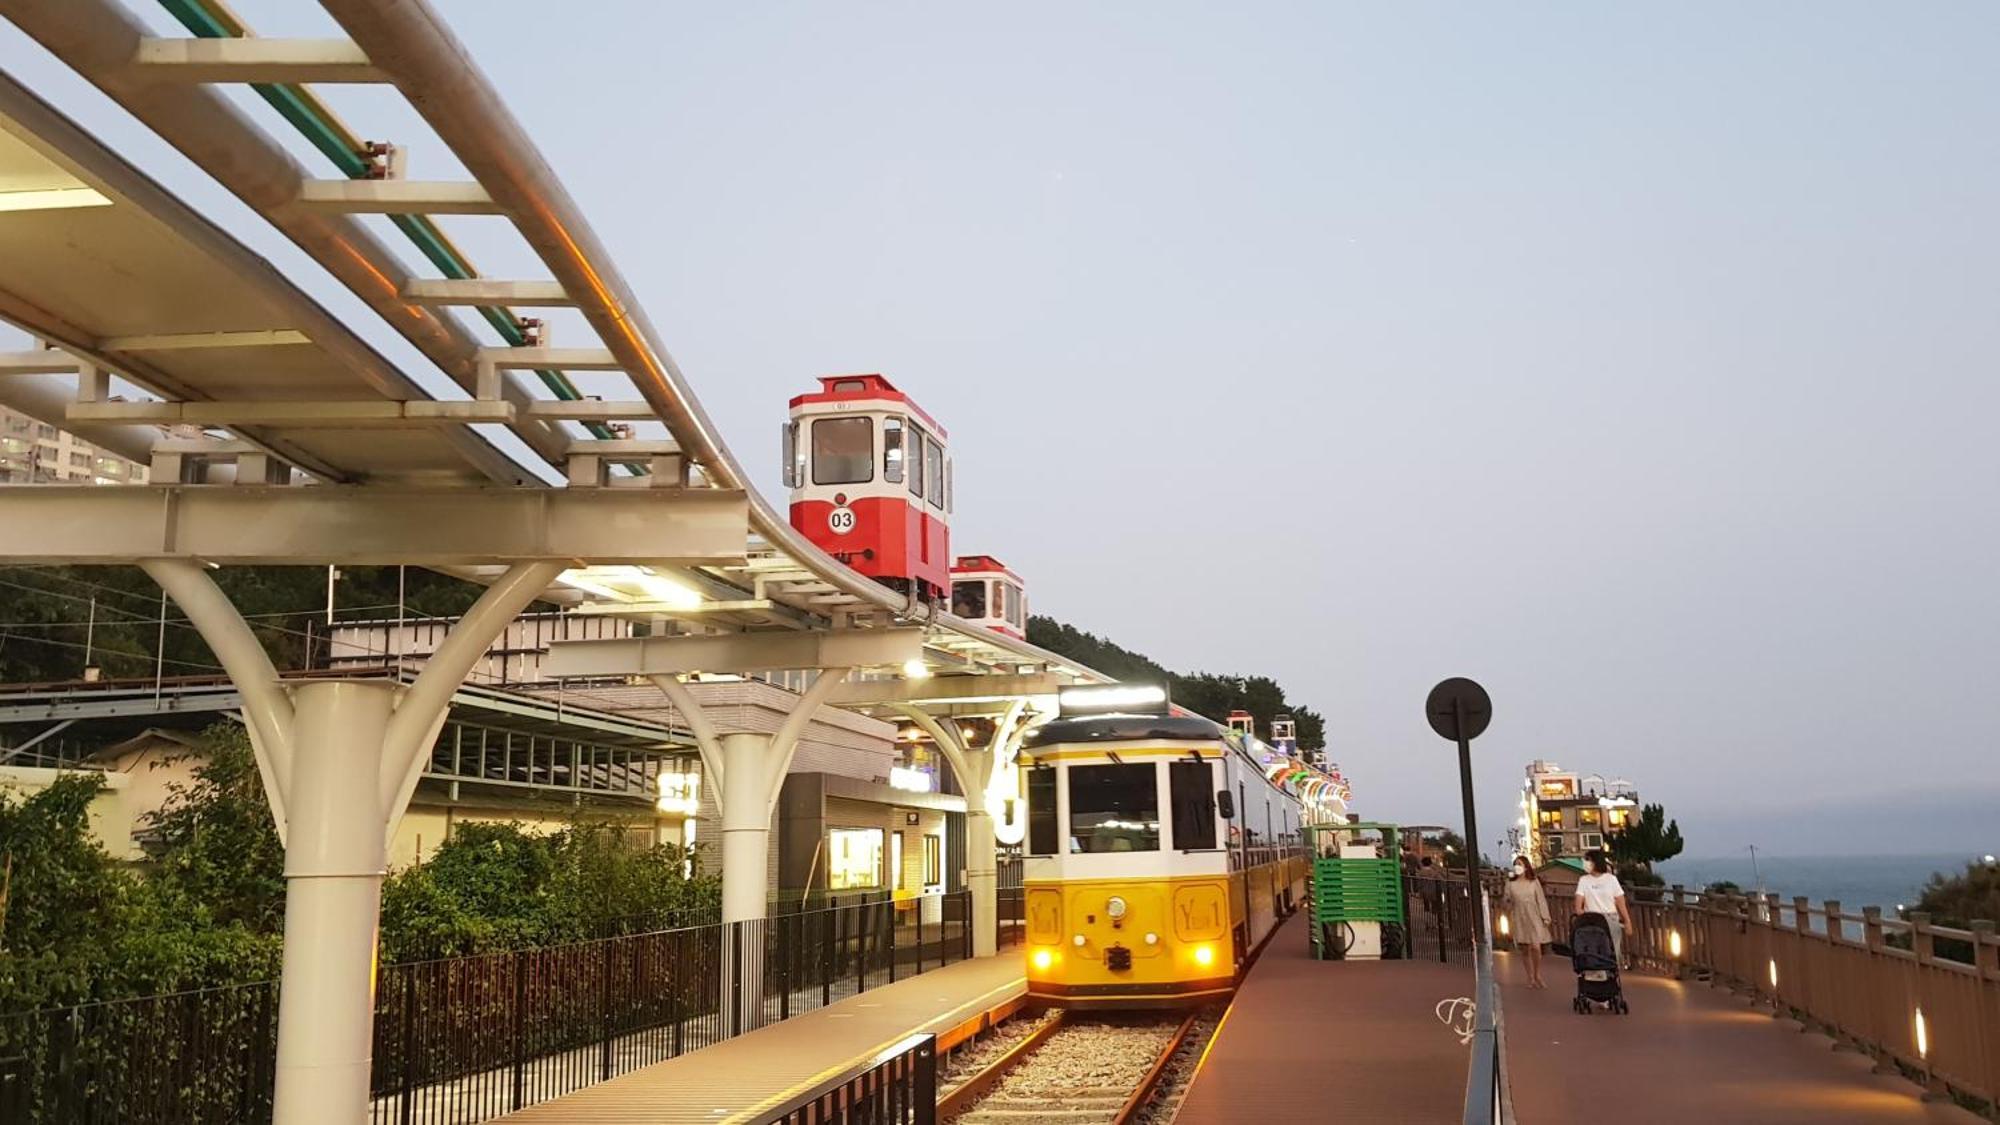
(315, 122)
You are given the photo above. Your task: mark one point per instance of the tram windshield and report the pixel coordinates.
(1114, 808)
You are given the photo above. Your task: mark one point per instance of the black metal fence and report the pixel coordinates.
(467, 1038)
(1440, 919)
(896, 1087)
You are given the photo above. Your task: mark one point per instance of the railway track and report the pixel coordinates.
(1074, 1070)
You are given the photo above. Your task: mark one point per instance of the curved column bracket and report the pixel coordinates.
(972, 767)
(421, 707)
(267, 708)
(706, 740)
(785, 743)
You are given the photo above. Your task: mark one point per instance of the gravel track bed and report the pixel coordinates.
(971, 1058)
(1180, 1070)
(1080, 1076)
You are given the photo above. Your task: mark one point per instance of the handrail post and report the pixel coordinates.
(1986, 968)
(1836, 939)
(1802, 927)
(1873, 940)
(1924, 944)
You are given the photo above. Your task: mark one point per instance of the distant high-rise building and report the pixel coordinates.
(34, 452)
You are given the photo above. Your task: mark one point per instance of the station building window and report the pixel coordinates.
(933, 860)
(1114, 808)
(1042, 828)
(843, 450)
(854, 859)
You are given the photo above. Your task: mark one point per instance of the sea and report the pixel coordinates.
(1855, 881)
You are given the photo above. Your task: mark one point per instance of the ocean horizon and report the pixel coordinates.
(1888, 881)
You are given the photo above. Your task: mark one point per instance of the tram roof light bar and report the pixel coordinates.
(1112, 699)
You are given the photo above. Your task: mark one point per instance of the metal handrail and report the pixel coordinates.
(920, 1046)
(1484, 1103)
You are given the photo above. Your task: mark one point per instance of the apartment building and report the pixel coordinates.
(1567, 814)
(34, 452)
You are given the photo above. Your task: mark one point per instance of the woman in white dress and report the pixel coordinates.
(1528, 915)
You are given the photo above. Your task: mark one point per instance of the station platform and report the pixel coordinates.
(740, 1078)
(1315, 1041)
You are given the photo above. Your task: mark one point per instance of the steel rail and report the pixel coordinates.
(98, 38)
(979, 1085)
(413, 44)
(1143, 1095)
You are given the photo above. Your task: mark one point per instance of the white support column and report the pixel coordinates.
(334, 864)
(338, 760)
(975, 775)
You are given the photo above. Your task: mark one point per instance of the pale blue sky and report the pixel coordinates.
(1636, 362)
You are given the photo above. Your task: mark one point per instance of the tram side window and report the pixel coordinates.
(1042, 830)
(843, 450)
(1014, 606)
(1114, 808)
(999, 600)
(892, 449)
(916, 461)
(1191, 786)
(968, 599)
(934, 469)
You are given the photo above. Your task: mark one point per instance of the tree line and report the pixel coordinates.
(1210, 694)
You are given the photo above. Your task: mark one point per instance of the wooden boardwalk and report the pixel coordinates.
(1688, 1052)
(1318, 1041)
(736, 1079)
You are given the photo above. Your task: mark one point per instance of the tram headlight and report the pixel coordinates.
(1204, 955)
(1152, 939)
(1043, 958)
(1116, 908)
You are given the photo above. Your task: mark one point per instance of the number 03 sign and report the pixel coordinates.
(840, 521)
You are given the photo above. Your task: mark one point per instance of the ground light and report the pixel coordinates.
(1923, 1037)
(1674, 944)
(1504, 928)
(1774, 972)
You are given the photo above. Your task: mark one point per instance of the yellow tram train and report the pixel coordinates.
(1158, 853)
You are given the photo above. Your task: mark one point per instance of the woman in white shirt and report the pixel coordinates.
(1599, 892)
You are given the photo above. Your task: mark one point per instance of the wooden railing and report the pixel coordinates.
(1920, 999)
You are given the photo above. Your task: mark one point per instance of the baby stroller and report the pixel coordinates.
(1595, 959)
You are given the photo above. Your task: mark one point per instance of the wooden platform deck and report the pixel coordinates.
(737, 1079)
(1688, 1052)
(1317, 1041)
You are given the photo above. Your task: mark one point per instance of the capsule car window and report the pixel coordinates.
(843, 450)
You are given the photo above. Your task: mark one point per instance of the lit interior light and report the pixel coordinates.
(51, 199)
(632, 583)
(1923, 1036)
(1674, 944)
(1204, 955)
(916, 670)
(1043, 958)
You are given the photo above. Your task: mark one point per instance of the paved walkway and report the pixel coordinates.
(1318, 1041)
(1687, 1053)
(736, 1079)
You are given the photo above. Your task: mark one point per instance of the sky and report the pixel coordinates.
(1634, 361)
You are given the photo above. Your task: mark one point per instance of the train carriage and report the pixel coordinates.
(1158, 857)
